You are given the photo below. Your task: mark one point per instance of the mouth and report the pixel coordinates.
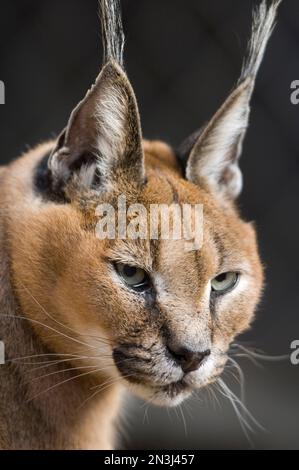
(169, 395)
(160, 383)
(147, 387)
(175, 388)
(172, 389)
(172, 394)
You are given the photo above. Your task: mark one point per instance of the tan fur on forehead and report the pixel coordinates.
(103, 303)
(158, 154)
(56, 256)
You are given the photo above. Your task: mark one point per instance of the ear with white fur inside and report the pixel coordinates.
(213, 161)
(103, 138)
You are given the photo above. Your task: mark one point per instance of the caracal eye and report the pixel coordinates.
(224, 282)
(134, 277)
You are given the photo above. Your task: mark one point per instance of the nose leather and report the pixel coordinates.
(187, 359)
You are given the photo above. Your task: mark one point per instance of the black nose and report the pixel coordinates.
(188, 360)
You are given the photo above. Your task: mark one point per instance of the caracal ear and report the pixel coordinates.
(214, 158)
(103, 141)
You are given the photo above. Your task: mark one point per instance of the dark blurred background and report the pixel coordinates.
(183, 58)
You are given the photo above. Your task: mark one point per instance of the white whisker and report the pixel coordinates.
(255, 354)
(51, 316)
(61, 383)
(50, 328)
(103, 387)
(243, 414)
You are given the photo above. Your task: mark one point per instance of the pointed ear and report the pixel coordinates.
(214, 158)
(103, 137)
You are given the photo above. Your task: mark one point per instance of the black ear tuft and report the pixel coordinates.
(112, 31)
(213, 160)
(102, 141)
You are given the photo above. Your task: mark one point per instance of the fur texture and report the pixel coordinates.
(214, 160)
(75, 334)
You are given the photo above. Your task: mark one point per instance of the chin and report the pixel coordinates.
(174, 393)
(170, 395)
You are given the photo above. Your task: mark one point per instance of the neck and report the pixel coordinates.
(44, 413)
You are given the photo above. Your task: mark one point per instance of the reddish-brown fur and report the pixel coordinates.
(75, 332)
(56, 267)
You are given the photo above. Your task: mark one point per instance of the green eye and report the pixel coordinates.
(134, 277)
(224, 282)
